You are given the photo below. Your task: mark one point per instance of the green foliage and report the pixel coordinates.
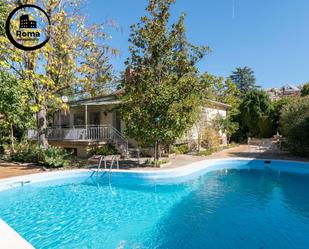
(77, 57)
(163, 96)
(227, 125)
(153, 163)
(266, 126)
(210, 151)
(294, 123)
(278, 106)
(53, 157)
(210, 137)
(224, 91)
(207, 152)
(255, 109)
(305, 90)
(13, 105)
(105, 150)
(15, 114)
(181, 149)
(244, 79)
(3, 15)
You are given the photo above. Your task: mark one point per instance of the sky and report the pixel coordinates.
(270, 36)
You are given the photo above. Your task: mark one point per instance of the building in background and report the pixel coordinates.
(288, 90)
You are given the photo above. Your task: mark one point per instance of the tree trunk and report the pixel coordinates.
(1, 144)
(157, 153)
(41, 126)
(12, 150)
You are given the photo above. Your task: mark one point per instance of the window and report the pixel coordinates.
(79, 119)
(95, 118)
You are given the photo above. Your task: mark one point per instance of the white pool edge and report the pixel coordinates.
(185, 170)
(10, 239)
(12, 182)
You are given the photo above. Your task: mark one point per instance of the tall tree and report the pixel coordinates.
(76, 55)
(244, 79)
(163, 95)
(3, 14)
(14, 111)
(255, 110)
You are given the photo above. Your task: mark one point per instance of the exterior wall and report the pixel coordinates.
(208, 114)
(106, 115)
(80, 147)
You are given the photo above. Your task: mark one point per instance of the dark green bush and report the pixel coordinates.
(255, 116)
(294, 123)
(266, 127)
(105, 150)
(53, 157)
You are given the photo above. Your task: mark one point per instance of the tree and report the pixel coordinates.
(76, 57)
(14, 111)
(278, 107)
(305, 90)
(2, 17)
(294, 122)
(228, 126)
(255, 110)
(224, 91)
(164, 94)
(244, 79)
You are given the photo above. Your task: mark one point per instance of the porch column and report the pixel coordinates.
(86, 116)
(59, 120)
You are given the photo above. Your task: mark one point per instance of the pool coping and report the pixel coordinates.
(188, 169)
(13, 239)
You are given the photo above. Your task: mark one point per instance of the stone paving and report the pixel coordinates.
(9, 170)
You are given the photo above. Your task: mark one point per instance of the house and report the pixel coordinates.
(97, 121)
(209, 113)
(290, 90)
(286, 91)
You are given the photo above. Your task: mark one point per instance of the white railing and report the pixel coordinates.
(89, 133)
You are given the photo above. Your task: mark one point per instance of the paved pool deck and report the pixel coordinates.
(244, 151)
(11, 169)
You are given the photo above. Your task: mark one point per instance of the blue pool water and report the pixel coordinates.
(234, 209)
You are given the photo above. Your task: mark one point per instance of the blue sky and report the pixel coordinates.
(271, 36)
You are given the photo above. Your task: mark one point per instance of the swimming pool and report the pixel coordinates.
(216, 204)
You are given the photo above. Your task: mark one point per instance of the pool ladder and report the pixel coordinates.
(115, 159)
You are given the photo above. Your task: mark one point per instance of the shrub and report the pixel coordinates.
(266, 127)
(294, 123)
(207, 152)
(53, 157)
(159, 162)
(105, 150)
(210, 138)
(181, 149)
